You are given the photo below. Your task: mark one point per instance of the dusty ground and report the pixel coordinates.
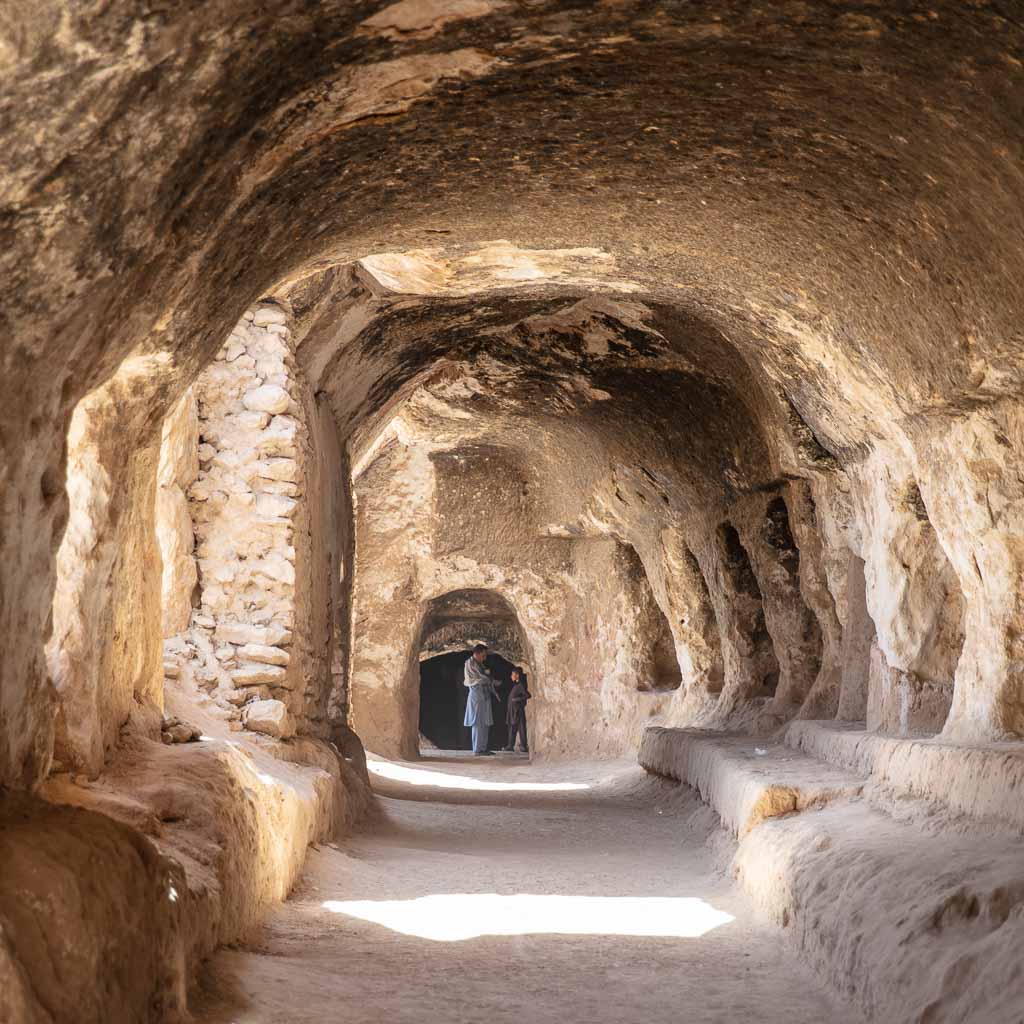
(686, 947)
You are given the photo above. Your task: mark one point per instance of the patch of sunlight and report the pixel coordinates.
(454, 917)
(423, 777)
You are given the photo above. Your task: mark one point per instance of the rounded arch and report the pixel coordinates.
(456, 620)
(452, 624)
(385, 697)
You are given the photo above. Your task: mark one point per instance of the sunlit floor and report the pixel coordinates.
(437, 772)
(500, 890)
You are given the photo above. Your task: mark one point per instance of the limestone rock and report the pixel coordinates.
(285, 487)
(267, 399)
(279, 439)
(178, 468)
(269, 717)
(249, 420)
(246, 633)
(274, 505)
(276, 567)
(278, 469)
(254, 673)
(269, 315)
(174, 730)
(264, 654)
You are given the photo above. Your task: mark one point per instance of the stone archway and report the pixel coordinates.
(460, 618)
(452, 624)
(385, 678)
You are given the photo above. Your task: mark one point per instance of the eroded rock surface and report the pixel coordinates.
(823, 268)
(673, 349)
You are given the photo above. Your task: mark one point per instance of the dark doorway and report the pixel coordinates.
(443, 701)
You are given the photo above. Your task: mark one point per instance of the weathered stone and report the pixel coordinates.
(245, 633)
(265, 654)
(284, 487)
(703, 400)
(176, 731)
(269, 717)
(278, 469)
(267, 399)
(279, 439)
(276, 567)
(268, 315)
(178, 468)
(274, 505)
(249, 420)
(256, 673)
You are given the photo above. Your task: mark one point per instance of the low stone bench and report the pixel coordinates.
(981, 782)
(745, 779)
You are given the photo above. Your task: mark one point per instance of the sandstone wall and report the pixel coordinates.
(331, 563)
(116, 891)
(969, 469)
(103, 654)
(886, 312)
(819, 596)
(596, 645)
(177, 471)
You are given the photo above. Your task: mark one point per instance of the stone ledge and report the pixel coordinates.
(986, 783)
(120, 887)
(743, 786)
(904, 921)
(907, 924)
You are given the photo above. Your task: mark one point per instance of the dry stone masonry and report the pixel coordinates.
(248, 438)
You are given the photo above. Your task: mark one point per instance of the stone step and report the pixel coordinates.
(745, 779)
(982, 782)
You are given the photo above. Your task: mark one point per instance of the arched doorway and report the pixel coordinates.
(453, 623)
(443, 699)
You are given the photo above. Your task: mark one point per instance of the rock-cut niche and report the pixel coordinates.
(657, 668)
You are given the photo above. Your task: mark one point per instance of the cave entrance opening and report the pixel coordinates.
(443, 702)
(452, 623)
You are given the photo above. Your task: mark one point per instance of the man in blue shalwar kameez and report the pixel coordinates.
(479, 714)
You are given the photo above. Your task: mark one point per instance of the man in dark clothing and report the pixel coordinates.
(516, 715)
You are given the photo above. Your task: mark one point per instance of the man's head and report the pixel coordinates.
(480, 652)
(515, 675)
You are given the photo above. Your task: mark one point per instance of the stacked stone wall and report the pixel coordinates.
(246, 646)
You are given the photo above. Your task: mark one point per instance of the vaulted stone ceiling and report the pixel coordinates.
(673, 346)
(608, 378)
(799, 172)
(817, 206)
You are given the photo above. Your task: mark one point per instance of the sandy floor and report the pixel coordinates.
(476, 897)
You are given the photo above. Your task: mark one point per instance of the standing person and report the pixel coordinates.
(516, 717)
(479, 714)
